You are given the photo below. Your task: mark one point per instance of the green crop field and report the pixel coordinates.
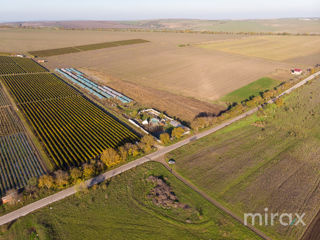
(88, 47)
(15, 65)
(37, 87)
(71, 128)
(28, 65)
(122, 211)
(269, 160)
(251, 90)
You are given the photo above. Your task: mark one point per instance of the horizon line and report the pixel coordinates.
(159, 19)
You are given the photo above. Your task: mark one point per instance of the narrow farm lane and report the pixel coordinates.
(213, 201)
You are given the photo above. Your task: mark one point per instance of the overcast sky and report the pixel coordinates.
(25, 10)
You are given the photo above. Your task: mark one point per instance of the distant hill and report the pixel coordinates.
(290, 25)
(69, 24)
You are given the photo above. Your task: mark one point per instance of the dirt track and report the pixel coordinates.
(214, 202)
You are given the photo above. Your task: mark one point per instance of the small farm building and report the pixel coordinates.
(296, 71)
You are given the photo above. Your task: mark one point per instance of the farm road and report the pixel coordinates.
(151, 157)
(213, 201)
(107, 175)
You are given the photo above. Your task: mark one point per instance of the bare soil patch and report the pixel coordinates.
(162, 194)
(163, 65)
(181, 107)
(277, 48)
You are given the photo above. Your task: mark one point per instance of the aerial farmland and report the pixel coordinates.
(197, 71)
(19, 159)
(189, 74)
(109, 131)
(61, 117)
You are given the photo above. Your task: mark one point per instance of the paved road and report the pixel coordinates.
(151, 157)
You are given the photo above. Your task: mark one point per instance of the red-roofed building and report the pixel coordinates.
(296, 71)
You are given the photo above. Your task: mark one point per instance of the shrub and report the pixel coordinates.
(110, 157)
(46, 181)
(75, 174)
(177, 132)
(88, 170)
(61, 178)
(165, 138)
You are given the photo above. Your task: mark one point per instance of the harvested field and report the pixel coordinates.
(269, 160)
(24, 40)
(309, 60)
(188, 71)
(89, 47)
(182, 107)
(168, 71)
(277, 48)
(160, 64)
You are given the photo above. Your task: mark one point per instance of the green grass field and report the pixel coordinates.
(252, 89)
(271, 159)
(122, 210)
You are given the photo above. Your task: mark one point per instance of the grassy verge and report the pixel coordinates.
(270, 159)
(121, 209)
(251, 90)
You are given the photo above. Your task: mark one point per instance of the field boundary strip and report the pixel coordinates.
(81, 48)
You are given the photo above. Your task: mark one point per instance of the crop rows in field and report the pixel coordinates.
(9, 122)
(28, 65)
(53, 52)
(71, 128)
(6, 60)
(36, 87)
(18, 162)
(88, 47)
(16, 65)
(18, 159)
(10, 68)
(4, 101)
